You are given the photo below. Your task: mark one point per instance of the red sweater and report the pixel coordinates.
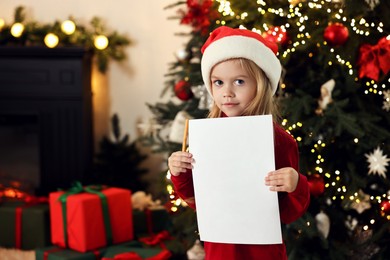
(291, 205)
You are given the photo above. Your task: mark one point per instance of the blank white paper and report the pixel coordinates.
(232, 157)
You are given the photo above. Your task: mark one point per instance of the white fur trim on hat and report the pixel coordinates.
(237, 46)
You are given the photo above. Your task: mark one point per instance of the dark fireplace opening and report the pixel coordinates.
(19, 150)
(46, 135)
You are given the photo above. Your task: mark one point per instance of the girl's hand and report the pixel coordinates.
(284, 179)
(180, 162)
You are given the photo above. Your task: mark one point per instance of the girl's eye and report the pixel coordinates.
(217, 82)
(239, 82)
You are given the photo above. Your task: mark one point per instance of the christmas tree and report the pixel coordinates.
(118, 161)
(335, 100)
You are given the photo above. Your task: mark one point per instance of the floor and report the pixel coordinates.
(13, 254)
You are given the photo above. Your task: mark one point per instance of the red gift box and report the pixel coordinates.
(90, 224)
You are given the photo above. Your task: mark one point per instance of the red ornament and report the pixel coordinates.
(374, 59)
(276, 34)
(183, 90)
(316, 184)
(198, 15)
(336, 34)
(385, 208)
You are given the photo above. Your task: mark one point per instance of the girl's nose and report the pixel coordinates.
(228, 92)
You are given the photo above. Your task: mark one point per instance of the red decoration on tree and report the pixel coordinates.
(336, 34)
(385, 208)
(374, 58)
(316, 184)
(199, 14)
(183, 90)
(276, 34)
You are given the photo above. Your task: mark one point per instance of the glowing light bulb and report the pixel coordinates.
(51, 40)
(68, 27)
(101, 42)
(17, 30)
(2, 23)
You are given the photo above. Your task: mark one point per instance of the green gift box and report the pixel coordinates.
(144, 253)
(165, 240)
(150, 221)
(24, 226)
(58, 253)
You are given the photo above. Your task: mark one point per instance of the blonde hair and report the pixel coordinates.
(263, 103)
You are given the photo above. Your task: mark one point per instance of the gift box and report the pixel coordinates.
(165, 240)
(151, 221)
(135, 253)
(133, 248)
(24, 226)
(90, 219)
(58, 253)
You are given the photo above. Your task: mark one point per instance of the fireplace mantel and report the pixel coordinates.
(54, 85)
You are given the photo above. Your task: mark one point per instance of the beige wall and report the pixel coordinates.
(128, 86)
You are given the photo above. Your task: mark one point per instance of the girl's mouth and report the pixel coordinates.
(230, 104)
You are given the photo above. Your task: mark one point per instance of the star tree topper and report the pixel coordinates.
(377, 162)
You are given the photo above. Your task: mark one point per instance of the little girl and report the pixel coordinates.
(241, 72)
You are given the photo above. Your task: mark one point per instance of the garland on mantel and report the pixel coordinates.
(105, 45)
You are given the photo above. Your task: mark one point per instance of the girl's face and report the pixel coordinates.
(232, 87)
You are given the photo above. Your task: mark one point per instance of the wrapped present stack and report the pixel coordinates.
(90, 222)
(139, 227)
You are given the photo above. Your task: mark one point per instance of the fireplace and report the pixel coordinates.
(46, 137)
(19, 150)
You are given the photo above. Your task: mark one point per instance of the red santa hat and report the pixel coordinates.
(227, 43)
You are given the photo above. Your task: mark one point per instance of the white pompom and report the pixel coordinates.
(323, 223)
(196, 252)
(177, 129)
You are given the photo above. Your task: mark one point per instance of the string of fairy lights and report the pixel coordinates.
(359, 27)
(26, 32)
(51, 39)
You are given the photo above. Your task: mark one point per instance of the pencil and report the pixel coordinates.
(184, 146)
